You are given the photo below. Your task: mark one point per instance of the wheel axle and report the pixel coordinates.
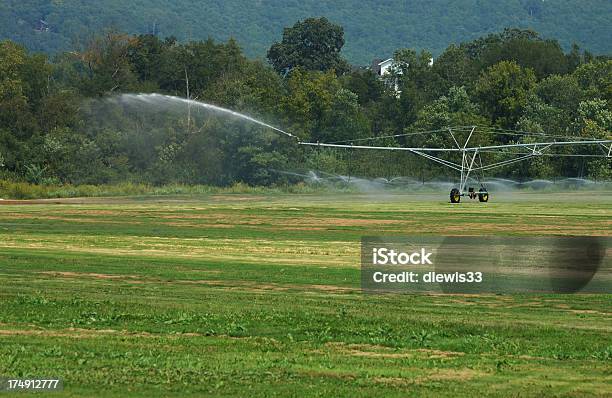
(482, 194)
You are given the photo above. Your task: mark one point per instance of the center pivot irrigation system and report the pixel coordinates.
(468, 159)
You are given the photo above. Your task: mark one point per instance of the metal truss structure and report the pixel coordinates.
(468, 160)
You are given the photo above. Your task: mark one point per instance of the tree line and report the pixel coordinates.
(56, 128)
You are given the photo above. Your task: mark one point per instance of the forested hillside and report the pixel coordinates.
(374, 28)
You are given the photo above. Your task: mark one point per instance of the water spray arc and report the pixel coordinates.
(160, 98)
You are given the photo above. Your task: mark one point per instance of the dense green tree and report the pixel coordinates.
(343, 120)
(309, 97)
(455, 67)
(595, 121)
(598, 113)
(541, 117)
(503, 90)
(562, 92)
(199, 64)
(145, 53)
(366, 84)
(259, 165)
(79, 159)
(313, 44)
(15, 112)
(254, 88)
(527, 49)
(24, 83)
(415, 69)
(106, 66)
(453, 109)
(417, 84)
(596, 79)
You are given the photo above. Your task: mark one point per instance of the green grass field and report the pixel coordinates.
(258, 295)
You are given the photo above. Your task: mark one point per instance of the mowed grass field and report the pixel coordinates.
(258, 295)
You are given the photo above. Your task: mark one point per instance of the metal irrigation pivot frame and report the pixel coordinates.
(516, 152)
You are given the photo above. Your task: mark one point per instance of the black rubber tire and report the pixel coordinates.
(483, 195)
(455, 195)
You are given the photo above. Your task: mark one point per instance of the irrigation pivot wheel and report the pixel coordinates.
(483, 195)
(455, 195)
